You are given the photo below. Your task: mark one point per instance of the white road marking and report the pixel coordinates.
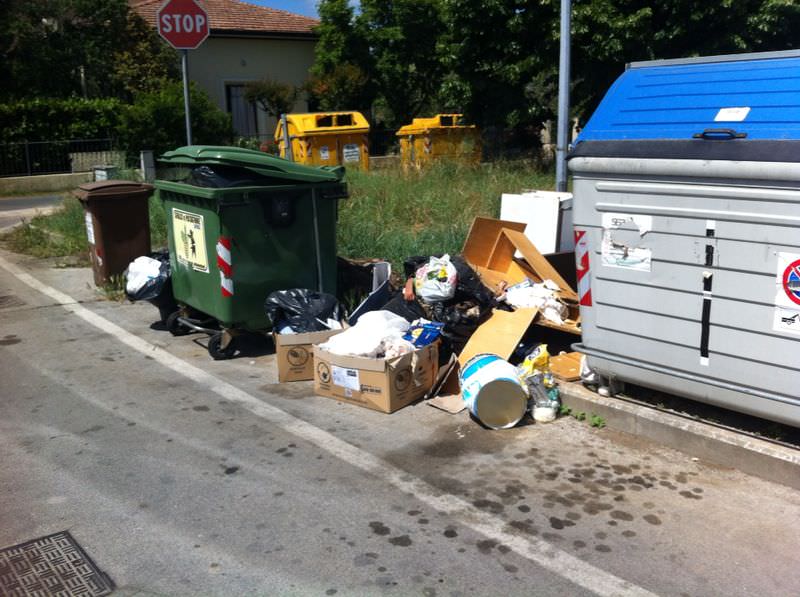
(537, 551)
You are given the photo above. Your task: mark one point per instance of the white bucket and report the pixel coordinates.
(492, 392)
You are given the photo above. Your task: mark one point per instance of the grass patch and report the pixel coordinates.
(390, 214)
(63, 232)
(59, 234)
(393, 215)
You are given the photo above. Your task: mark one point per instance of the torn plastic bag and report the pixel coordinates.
(302, 310)
(149, 279)
(146, 276)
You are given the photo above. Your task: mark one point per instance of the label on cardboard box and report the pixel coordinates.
(295, 354)
(383, 385)
(346, 378)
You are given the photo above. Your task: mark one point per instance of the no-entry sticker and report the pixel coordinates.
(787, 298)
(791, 281)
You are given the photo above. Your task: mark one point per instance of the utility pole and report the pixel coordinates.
(563, 136)
(185, 68)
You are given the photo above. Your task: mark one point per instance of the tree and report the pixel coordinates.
(404, 36)
(342, 77)
(143, 61)
(274, 97)
(156, 120)
(91, 48)
(345, 87)
(499, 52)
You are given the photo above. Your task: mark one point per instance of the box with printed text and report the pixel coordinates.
(385, 385)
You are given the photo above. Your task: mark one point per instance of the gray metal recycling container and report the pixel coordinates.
(687, 222)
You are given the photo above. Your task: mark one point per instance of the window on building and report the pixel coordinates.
(243, 113)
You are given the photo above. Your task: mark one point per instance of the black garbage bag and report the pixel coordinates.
(155, 290)
(302, 310)
(140, 287)
(224, 177)
(461, 315)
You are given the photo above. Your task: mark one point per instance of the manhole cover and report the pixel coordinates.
(9, 300)
(54, 566)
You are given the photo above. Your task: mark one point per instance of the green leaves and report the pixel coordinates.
(274, 97)
(54, 119)
(138, 129)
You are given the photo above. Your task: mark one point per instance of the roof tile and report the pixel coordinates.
(232, 15)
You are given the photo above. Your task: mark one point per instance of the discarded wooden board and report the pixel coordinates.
(566, 366)
(500, 334)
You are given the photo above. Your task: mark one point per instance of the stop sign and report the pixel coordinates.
(183, 23)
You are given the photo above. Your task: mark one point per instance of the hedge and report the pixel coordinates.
(57, 119)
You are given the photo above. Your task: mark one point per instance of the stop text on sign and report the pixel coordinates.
(183, 23)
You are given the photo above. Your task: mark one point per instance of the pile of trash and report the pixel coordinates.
(460, 330)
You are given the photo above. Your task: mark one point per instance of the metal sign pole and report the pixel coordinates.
(563, 136)
(185, 68)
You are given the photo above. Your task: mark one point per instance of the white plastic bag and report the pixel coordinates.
(436, 280)
(140, 271)
(376, 333)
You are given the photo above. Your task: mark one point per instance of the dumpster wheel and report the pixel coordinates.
(215, 347)
(175, 327)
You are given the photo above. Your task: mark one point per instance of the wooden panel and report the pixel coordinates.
(500, 334)
(482, 238)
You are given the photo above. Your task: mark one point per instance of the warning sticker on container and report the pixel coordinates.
(346, 378)
(787, 297)
(737, 114)
(89, 228)
(324, 154)
(351, 152)
(190, 240)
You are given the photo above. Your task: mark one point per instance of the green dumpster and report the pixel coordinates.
(242, 224)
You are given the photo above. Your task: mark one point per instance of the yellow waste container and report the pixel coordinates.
(443, 137)
(326, 139)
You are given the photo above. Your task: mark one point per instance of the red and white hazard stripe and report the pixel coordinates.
(225, 265)
(582, 266)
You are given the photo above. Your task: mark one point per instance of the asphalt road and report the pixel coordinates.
(15, 209)
(184, 476)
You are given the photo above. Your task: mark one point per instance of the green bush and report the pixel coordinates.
(45, 119)
(156, 121)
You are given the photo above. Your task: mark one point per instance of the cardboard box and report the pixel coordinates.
(385, 385)
(295, 354)
(490, 249)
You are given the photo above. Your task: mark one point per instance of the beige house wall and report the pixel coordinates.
(227, 60)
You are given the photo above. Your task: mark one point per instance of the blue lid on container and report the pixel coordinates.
(756, 96)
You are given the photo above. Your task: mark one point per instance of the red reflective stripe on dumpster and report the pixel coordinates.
(582, 262)
(225, 265)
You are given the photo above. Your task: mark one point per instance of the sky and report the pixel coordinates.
(301, 7)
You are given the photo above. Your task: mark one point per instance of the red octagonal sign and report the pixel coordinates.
(183, 23)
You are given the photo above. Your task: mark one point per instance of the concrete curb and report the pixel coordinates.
(750, 455)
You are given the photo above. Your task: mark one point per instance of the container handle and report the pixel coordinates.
(719, 134)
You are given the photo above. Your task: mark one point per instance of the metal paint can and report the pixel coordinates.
(492, 392)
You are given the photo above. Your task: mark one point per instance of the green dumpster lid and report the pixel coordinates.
(255, 161)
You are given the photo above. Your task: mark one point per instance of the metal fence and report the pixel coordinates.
(29, 158)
